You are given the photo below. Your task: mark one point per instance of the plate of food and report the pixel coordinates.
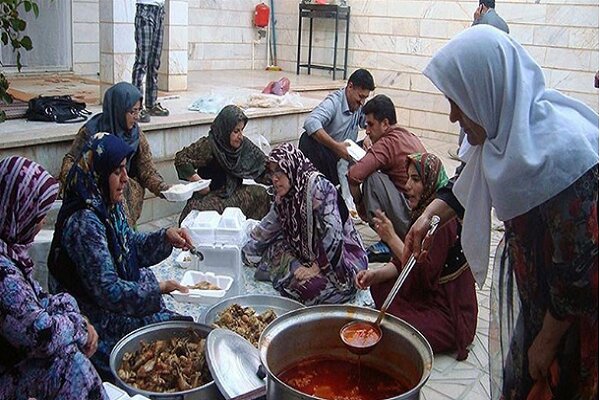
(248, 315)
(184, 191)
(204, 287)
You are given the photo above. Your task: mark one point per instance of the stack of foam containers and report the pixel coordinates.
(219, 238)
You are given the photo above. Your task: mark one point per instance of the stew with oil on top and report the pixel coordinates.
(340, 379)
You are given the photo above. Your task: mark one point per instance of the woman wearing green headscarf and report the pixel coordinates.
(438, 297)
(226, 157)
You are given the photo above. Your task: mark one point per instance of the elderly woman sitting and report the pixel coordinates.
(99, 259)
(45, 341)
(304, 245)
(226, 157)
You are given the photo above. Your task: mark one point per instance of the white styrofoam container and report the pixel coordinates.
(231, 227)
(184, 191)
(191, 278)
(115, 393)
(202, 226)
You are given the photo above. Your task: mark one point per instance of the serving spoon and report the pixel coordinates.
(361, 337)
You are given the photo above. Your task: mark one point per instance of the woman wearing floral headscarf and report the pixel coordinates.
(533, 157)
(99, 259)
(120, 114)
(226, 157)
(438, 296)
(45, 342)
(304, 245)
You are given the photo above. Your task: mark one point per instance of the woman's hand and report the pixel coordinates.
(180, 238)
(92, 340)
(383, 226)
(303, 274)
(544, 347)
(171, 285)
(196, 178)
(413, 243)
(365, 278)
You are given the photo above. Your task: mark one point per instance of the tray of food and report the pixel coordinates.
(249, 315)
(204, 287)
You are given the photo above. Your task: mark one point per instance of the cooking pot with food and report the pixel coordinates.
(298, 344)
(135, 358)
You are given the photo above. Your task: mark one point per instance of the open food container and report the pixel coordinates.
(203, 294)
(161, 331)
(183, 192)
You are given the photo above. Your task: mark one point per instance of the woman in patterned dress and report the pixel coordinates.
(304, 246)
(99, 259)
(226, 157)
(120, 113)
(533, 157)
(45, 341)
(438, 297)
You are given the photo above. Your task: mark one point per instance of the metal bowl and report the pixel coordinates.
(259, 302)
(149, 333)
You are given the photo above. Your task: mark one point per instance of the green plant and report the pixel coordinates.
(12, 27)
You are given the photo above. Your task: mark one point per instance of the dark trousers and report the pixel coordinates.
(324, 160)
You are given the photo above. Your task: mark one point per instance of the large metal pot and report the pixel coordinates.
(161, 330)
(314, 331)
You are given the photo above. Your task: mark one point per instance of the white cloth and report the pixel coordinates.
(538, 143)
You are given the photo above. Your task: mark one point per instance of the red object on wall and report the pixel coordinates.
(261, 15)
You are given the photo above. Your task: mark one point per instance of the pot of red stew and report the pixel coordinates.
(305, 357)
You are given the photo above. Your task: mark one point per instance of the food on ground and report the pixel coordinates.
(245, 321)
(166, 366)
(204, 285)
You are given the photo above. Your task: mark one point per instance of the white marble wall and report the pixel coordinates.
(394, 39)
(86, 38)
(222, 35)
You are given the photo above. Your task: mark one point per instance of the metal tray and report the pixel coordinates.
(259, 302)
(149, 333)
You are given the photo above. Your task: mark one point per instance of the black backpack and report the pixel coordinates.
(61, 109)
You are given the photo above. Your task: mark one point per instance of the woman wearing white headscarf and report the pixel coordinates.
(534, 158)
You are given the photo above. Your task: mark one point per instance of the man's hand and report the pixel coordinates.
(341, 150)
(479, 12)
(367, 143)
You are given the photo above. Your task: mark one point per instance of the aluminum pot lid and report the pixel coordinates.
(234, 363)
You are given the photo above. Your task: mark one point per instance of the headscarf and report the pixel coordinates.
(539, 141)
(433, 176)
(118, 100)
(245, 161)
(27, 192)
(87, 188)
(295, 208)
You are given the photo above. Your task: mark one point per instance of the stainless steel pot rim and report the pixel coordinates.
(269, 332)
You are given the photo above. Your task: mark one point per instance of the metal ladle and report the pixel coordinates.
(193, 250)
(369, 333)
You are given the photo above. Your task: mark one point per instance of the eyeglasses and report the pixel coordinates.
(134, 112)
(278, 173)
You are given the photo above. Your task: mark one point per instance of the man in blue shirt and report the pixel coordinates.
(336, 119)
(486, 14)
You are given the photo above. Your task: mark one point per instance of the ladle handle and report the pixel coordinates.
(433, 224)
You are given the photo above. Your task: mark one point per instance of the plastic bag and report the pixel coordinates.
(279, 88)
